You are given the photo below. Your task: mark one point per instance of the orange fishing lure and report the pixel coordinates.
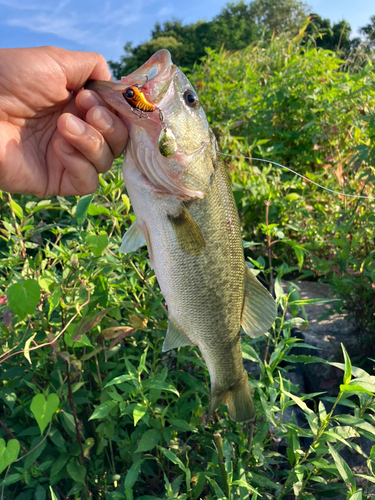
(136, 98)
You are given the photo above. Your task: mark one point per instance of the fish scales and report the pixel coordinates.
(185, 212)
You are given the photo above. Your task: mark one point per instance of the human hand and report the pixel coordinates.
(45, 147)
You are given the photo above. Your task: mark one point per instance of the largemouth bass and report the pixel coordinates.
(186, 214)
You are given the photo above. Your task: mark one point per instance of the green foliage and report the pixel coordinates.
(294, 106)
(335, 37)
(86, 392)
(43, 409)
(369, 32)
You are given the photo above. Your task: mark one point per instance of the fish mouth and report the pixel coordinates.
(153, 78)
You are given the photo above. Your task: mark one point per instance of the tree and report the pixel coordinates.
(279, 16)
(369, 32)
(335, 37)
(237, 26)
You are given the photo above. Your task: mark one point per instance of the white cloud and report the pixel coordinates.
(63, 27)
(76, 23)
(165, 11)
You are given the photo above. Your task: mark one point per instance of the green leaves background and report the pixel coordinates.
(123, 420)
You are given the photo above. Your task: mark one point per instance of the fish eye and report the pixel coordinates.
(191, 98)
(129, 93)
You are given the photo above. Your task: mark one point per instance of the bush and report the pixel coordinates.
(91, 405)
(294, 106)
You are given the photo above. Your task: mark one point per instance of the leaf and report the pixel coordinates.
(53, 496)
(103, 410)
(54, 300)
(120, 380)
(126, 201)
(356, 496)
(181, 424)
(348, 366)
(343, 469)
(43, 409)
(87, 323)
(40, 493)
(46, 281)
(59, 463)
(98, 210)
(279, 292)
(297, 488)
(161, 386)
(17, 209)
(137, 322)
(76, 472)
(218, 491)
(302, 302)
(26, 352)
(364, 388)
(138, 412)
(97, 243)
(23, 298)
(37, 445)
(116, 331)
(248, 352)
(149, 440)
(13, 478)
(132, 474)
(8, 453)
(244, 484)
(173, 458)
(299, 402)
(82, 208)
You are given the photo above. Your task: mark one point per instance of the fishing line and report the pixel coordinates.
(302, 177)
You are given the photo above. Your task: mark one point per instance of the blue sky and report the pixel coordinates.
(106, 25)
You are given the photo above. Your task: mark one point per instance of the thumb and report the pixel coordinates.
(80, 66)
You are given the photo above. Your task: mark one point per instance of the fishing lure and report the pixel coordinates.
(136, 98)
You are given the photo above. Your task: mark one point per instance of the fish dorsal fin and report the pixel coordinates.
(132, 239)
(259, 308)
(175, 337)
(187, 231)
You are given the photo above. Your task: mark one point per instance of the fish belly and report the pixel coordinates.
(204, 292)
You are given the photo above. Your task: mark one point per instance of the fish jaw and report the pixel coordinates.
(154, 78)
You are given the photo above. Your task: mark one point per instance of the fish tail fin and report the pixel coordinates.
(238, 400)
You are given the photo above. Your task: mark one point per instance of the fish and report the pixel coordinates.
(186, 214)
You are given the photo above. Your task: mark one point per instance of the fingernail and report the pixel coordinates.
(88, 100)
(102, 119)
(66, 147)
(74, 125)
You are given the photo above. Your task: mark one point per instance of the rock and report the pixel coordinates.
(326, 335)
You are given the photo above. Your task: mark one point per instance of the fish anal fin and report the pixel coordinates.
(237, 398)
(132, 239)
(187, 231)
(175, 337)
(259, 308)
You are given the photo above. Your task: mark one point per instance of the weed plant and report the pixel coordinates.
(89, 404)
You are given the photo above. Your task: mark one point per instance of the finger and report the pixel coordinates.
(87, 140)
(110, 126)
(80, 177)
(87, 99)
(79, 66)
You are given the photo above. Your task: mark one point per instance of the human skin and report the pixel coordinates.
(54, 138)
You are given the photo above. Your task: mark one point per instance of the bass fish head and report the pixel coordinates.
(170, 139)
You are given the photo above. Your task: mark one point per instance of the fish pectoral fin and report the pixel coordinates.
(187, 231)
(259, 308)
(175, 337)
(132, 239)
